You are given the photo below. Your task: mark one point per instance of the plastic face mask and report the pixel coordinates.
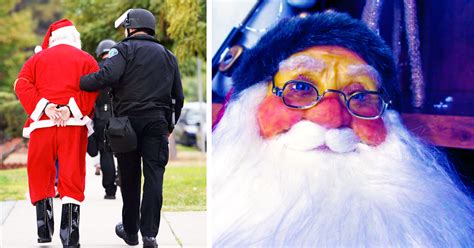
(326, 67)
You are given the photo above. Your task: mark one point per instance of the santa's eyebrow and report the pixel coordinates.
(302, 62)
(364, 70)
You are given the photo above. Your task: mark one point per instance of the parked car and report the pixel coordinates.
(192, 117)
(201, 137)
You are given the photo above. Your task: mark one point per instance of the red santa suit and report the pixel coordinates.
(52, 76)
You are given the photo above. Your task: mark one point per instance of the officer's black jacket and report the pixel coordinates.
(144, 77)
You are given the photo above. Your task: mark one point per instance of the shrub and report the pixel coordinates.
(6, 97)
(12, 119)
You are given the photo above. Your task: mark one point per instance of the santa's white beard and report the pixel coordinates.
(265, 193)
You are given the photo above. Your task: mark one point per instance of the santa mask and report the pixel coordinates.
(291, 167)
(329, 93)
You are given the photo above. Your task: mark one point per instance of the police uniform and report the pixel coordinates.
(144, 77)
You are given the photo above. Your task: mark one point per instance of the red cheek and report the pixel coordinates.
(371, 132)
(274, 117)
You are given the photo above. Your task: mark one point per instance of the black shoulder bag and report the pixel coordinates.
(119, 134)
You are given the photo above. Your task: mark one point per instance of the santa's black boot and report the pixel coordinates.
(69, 232)
(45, 220)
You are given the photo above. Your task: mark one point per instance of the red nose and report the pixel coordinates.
(329, 112)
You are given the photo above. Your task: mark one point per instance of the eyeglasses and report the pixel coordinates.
(297, 94)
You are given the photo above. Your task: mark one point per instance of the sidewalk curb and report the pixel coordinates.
(172, 231)
(6, 208)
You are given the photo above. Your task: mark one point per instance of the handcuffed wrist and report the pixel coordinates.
(39, 109)
(67, 106)
(70, 112)
(76, 112)
(45, 106)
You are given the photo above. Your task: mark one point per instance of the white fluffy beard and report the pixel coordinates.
(266, 194)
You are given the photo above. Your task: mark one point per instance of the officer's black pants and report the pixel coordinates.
(108, 172)
(153, 149)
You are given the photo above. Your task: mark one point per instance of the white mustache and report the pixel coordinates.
(306, 135)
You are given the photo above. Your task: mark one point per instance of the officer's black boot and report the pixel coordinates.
(130, 239)
(149, 242)
(45, 220)
(69, 232)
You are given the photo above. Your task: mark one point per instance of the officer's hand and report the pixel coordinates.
(52, 112)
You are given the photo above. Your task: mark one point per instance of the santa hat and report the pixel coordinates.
(59, 29)
(295, 34)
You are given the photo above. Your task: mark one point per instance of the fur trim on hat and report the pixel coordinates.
(295, 34)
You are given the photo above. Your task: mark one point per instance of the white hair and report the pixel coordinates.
(362, 69)
(264, 194)
(65, 35)
(302, 61)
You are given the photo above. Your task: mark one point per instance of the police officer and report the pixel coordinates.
(144, 77)
(101, 116)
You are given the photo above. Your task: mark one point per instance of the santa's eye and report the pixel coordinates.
(299, 94)
(301, 86)
(366, 104)
(353, 87)
(359, 97)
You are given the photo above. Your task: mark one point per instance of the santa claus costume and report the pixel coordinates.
(307, 155)
(51, 76)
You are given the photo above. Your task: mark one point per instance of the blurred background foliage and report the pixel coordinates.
(181, 27)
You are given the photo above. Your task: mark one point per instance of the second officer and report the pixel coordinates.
(101, 116)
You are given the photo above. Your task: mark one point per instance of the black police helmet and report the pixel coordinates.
(104, 47)
(140, 18)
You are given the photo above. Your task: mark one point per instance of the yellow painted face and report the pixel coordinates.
(328, 67)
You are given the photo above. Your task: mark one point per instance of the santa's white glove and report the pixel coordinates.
(65, 114)
(52, 112)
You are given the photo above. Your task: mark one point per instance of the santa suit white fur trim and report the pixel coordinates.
(39, 109)
(38, 49)
(76, 112)
(66, 200)
(50, 123)
(64, 31)
(66, 42)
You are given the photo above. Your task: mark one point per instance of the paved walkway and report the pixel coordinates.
(97, 222)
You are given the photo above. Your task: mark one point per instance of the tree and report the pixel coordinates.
(181, 25)
(16, 38)
(187, 26)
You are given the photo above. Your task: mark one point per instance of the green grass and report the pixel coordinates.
(13, 184)
(184, 189)
(186, 148)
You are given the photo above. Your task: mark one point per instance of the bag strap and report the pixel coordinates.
(111, 97)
